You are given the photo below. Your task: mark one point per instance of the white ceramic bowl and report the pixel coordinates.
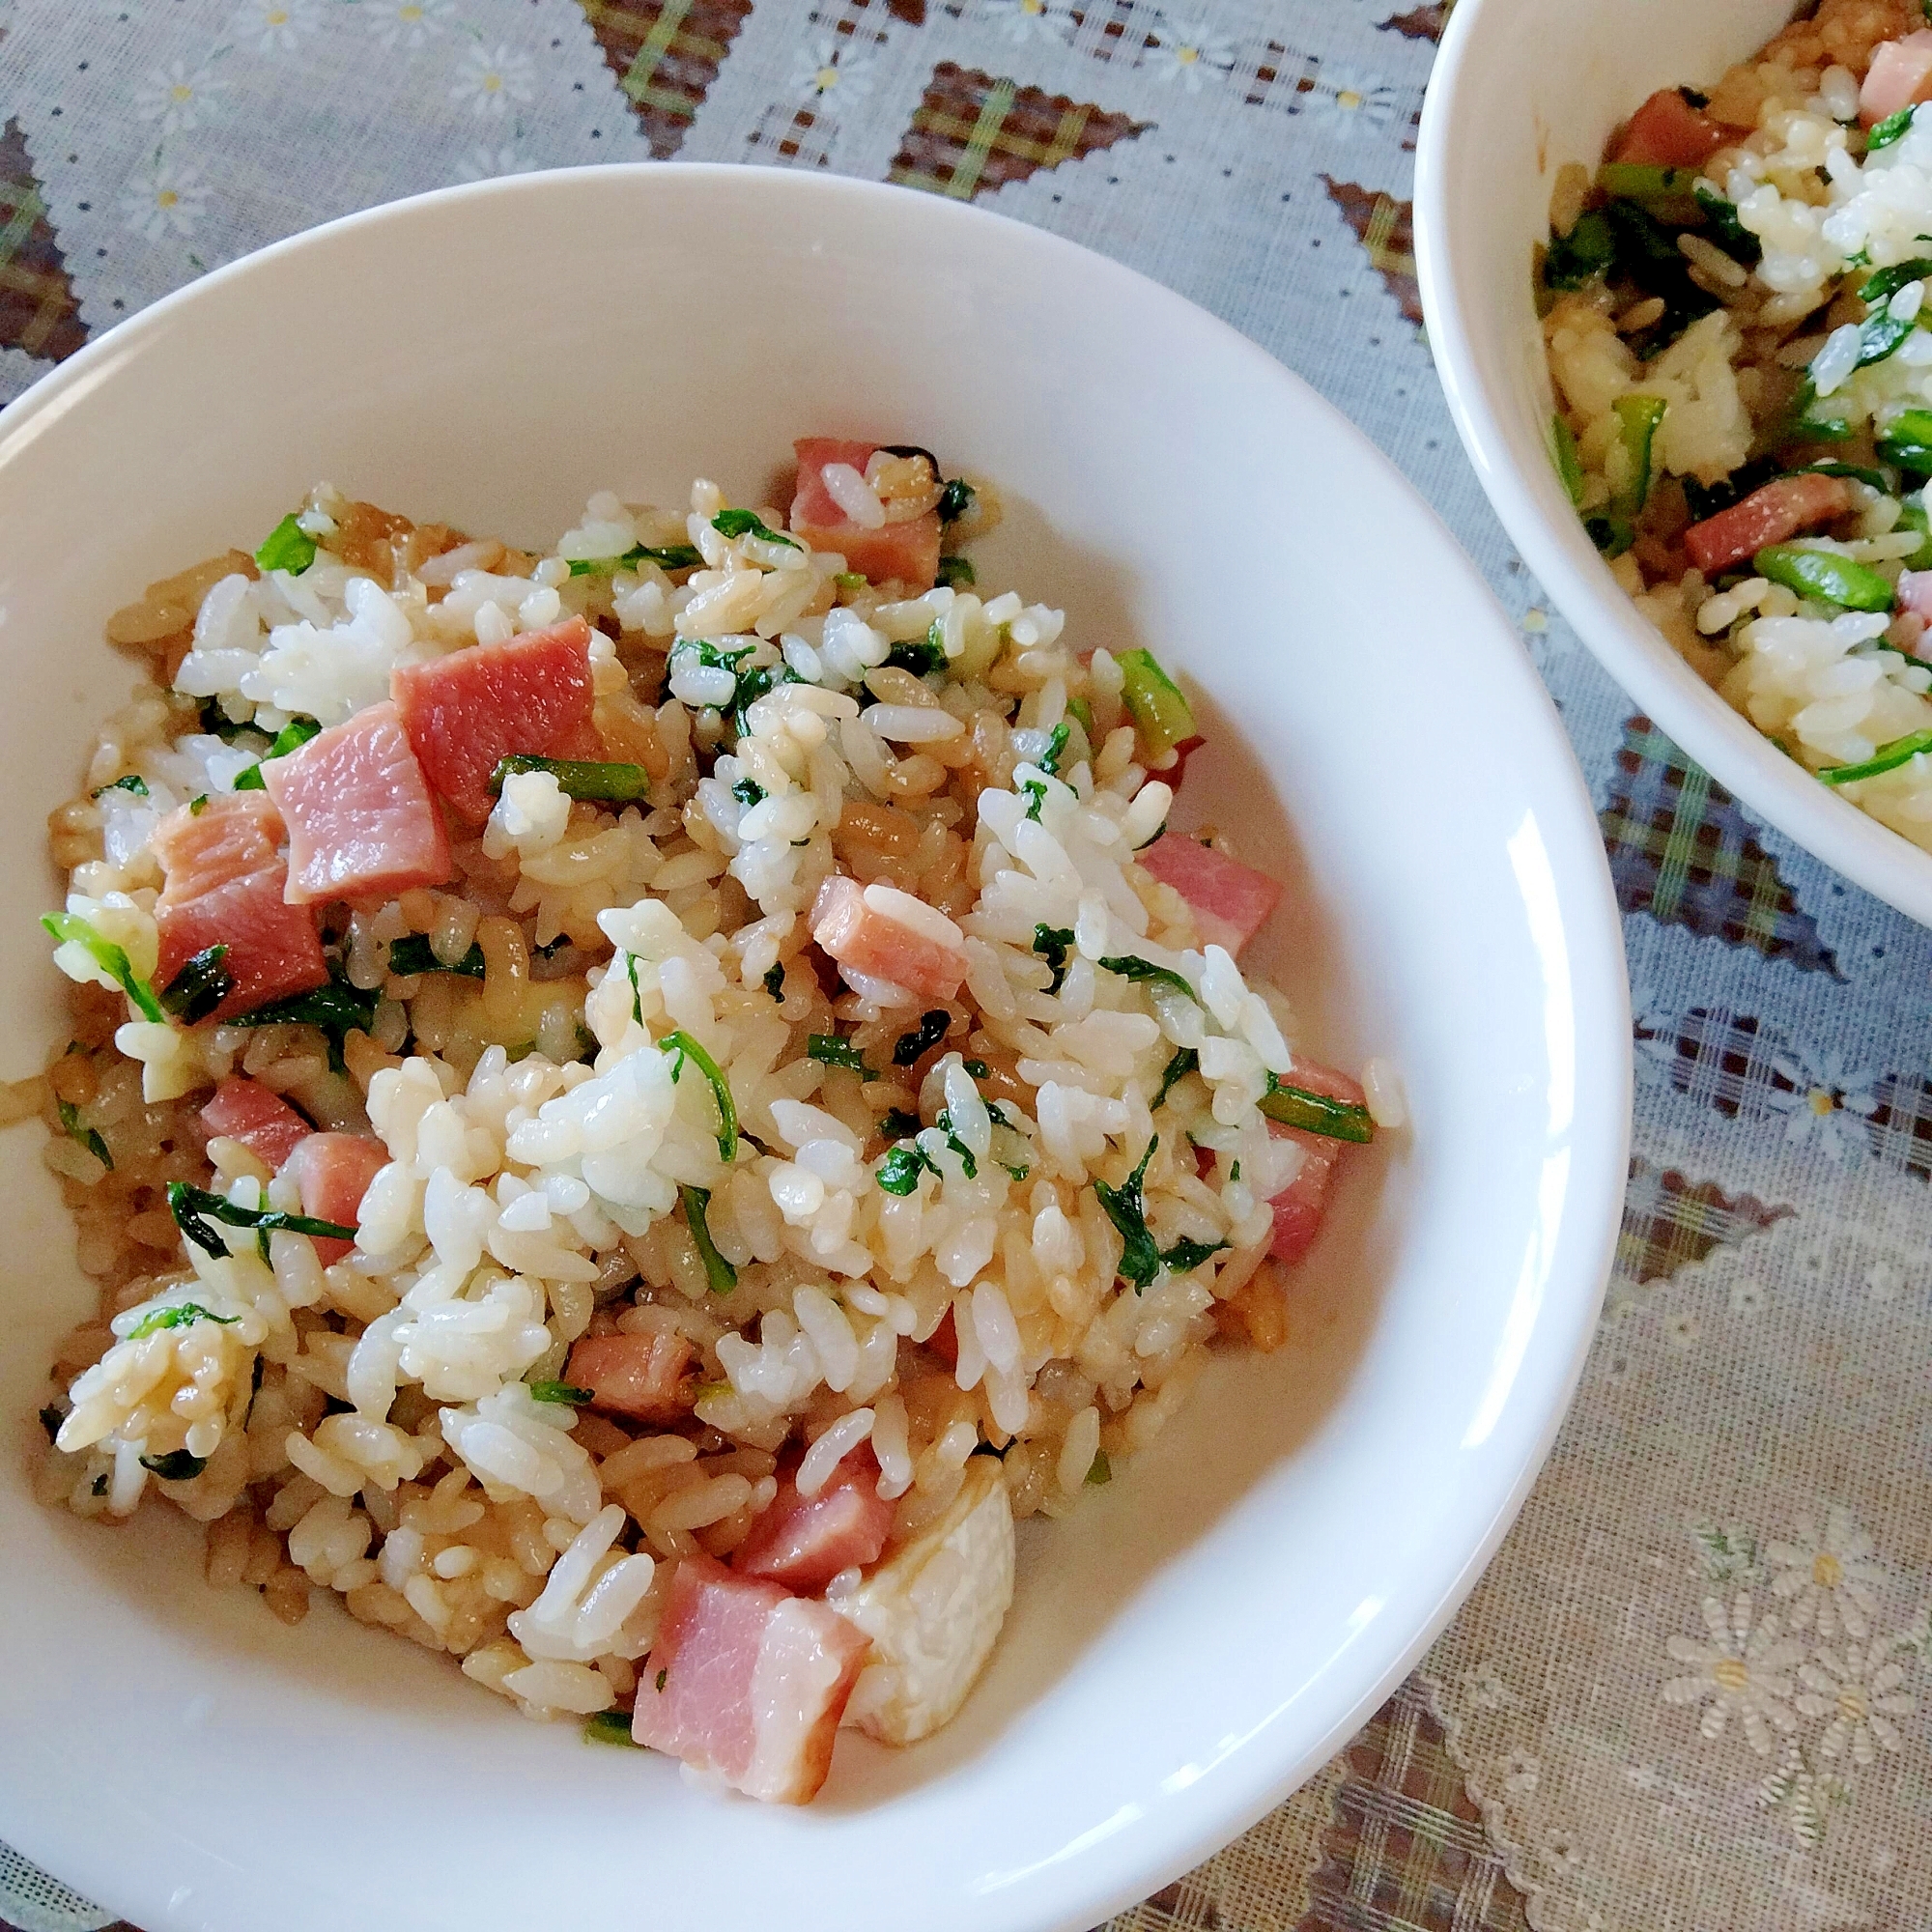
(1520, 88)
(1192, 1643)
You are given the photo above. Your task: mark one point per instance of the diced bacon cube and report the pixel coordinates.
(883, 934)
(1231, 902)
(754, 1682)
(334, 1172)
(1667, 132)
(263, 1122)
(907, 552)
(1302, 1206)
(225, 880)
(1779, 510)
(361, 821)
(1900, 75)
(467, 712)
(635, 1375)
(803, 1542)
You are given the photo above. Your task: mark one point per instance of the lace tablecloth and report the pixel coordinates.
(1692, 1690)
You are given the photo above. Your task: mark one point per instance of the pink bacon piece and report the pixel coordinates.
(225, 886)
(361, 821)
(1231, 902)
(635, 1375)
(263, 1122)
(803, 1542)
(334, 1172)
(466, 713)
(748, 1682)
(884, 935)
(907, 552)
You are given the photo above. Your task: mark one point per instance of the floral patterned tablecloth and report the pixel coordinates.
(1692, 1690)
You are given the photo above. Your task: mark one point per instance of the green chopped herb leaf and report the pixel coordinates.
(199, 987)
(1185, 1256)
(979, 1070)
(829, 1050)
(1185, 1061)
(1235, 1172)
(659, 1680)
(1585, 252)
(612, 1728)
(613, 783)
(1893, 127)
(898, 1172)
(1316, 1113)
(338, 1008)
(1887, 283)
(1641, 182)
(745, 524)
(930, 1031)
(176, 1467)
(944, 1124)
(250, 779)
(195, 1209)
(1887, 759)
(1079, 710)
(70, 929)
(291, 737)
(895, 1123)
(748, 792)
(1876, 479)
(99, 1486)
(177, 1315)
(1824, 573)
(923, 656)
(719, 1273)
(287, 547)
(413, 954)
(1161, 713)
(1053, 943)
(1613, 535)
(1144, 971)
(637, 998)
(88, 1137)
(51, 1419)
(667, 557)
(1036, 794)
(775, 980)
(1637, 419)
(1139, 1259)
(953, 571)
(1906, 440)
(1728, 231)
(1101, 1471)
(554, 1391)
(955, 499)
(850, 580)
(1569, 461)
(1056, 746)
(681, 1044)
(197, 805)
(133, 783)
(755, 684)
(710, 657)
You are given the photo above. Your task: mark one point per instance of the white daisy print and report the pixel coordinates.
(1824, 1101)
(179, 98)
(1858, 1687)
(828, 73)
(1830, 1577)
(1188, 50)
(1348, 100)
(276, 26)
(1747, 1296)
(486, 164)
(410, 23)
(1024, 21)
(491, 78)
(1742, 1670)
(166, 199)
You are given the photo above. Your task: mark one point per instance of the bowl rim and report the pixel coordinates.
(1546, 529)
(1588, 924)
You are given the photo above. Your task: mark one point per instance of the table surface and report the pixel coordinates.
(1690, 1691)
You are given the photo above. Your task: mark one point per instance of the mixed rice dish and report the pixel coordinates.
(1735, 310)
(634, 1108)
